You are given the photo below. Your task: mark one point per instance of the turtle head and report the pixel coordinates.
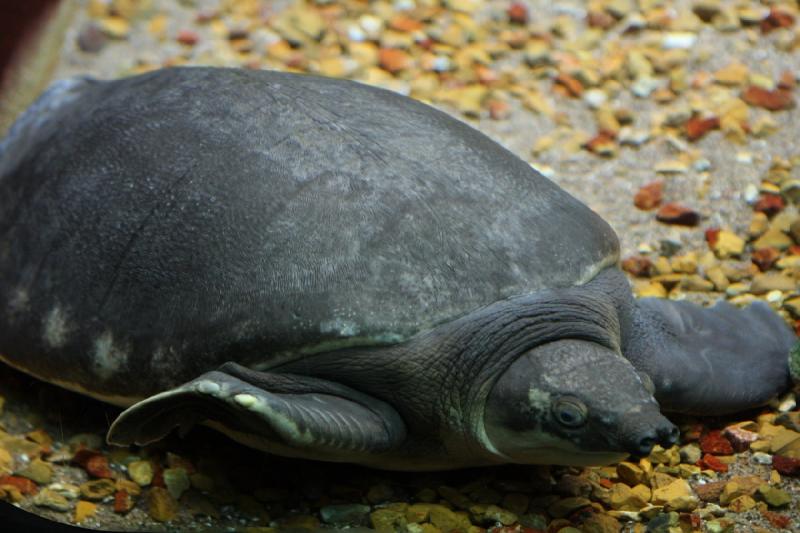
(573, 402)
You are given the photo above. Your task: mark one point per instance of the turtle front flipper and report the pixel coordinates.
(710, 361)
(283, 413)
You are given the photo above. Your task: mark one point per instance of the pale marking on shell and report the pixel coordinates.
(164, 362)
(121, 401)
(340, 327)
(20, 301)
(56, 328)
(109, 358)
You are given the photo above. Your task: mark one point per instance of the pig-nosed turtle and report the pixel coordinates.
(323, 269)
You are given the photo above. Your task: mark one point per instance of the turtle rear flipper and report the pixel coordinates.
(710, 361)
(289, 414)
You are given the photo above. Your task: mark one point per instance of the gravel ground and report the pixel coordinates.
(720, 178)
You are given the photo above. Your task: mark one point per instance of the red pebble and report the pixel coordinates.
(573, 86)
(24, 485)
(600, 19)
(597, 143)
(786, 80)
(518, 13)
(158, 476)
(426, 43)
(780, 521)
(637, 266)
(786, 465)
(187, 37)
(499, 109)
(673, 213)
(715, 443)
(486, 75)
(83, 455)
(777, 18)
(607, 483)
(122, 502)
(794, 249)
(739, 438)
(649, 195)
(97, 466)
(712, 236)
(764, 258)
(94, 462)
(712, 463)
(769, 204)
(407, 24)
(393, 59)
(696, 127)
(774, 100)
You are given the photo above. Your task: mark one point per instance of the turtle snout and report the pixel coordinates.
(668, 435)
(643, 432)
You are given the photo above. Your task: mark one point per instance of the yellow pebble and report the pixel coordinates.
(84, 510)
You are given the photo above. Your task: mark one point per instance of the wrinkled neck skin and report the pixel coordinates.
(440, 379)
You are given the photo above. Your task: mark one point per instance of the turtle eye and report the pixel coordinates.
(570, 412)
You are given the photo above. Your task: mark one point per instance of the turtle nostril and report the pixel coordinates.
(645, 446)
(668, 435)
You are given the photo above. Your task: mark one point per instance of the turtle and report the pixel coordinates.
(327, 270)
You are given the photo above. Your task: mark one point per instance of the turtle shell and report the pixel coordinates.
(200, 215)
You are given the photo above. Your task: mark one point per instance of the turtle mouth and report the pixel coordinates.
(533, 447)
(555, 455)
(559, 456)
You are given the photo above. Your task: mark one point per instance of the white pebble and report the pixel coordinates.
(356, 34)
(744, 157)
(441, 64)
(787, 403)
(404, 5)
(702, 165)
(594, 98)
(371, 24)
(678, 40)
(644, 87)
(774, 296)
(761, 458)
(751, 194)
(633, 137)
